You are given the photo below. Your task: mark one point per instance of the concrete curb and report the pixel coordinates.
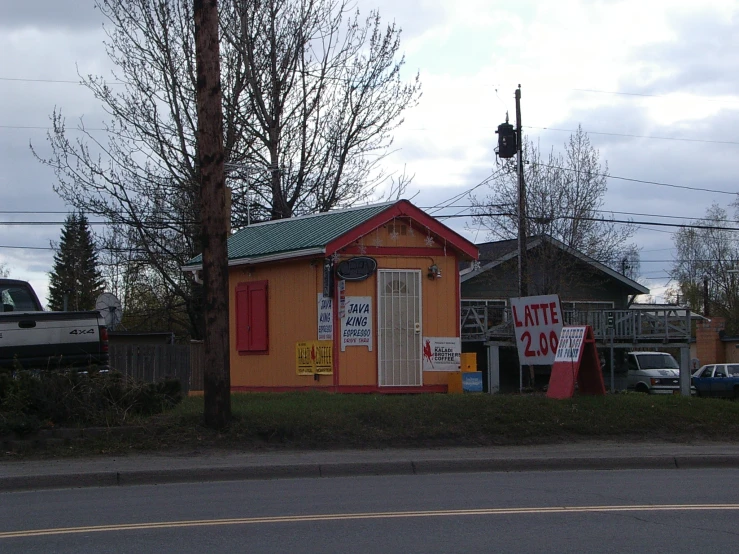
(345, 469)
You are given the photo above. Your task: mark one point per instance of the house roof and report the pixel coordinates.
(490, 251)
(495, 253)
(326, 232)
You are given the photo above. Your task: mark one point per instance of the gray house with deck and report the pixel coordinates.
(590, 293)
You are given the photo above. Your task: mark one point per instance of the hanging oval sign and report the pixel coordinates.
(356, 269)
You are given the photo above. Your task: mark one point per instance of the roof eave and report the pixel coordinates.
(253, 260)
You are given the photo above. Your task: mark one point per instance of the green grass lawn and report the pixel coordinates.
(324, 420)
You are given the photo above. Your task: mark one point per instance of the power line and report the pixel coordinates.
(440, 216)
(646, 95)
(25, 223)
(40, 128)
(608, 176)
(729, 142)
(459, 196)
(533, 87)
(601, 220)
(27, 247)
(62, 81)
(655, 230)
(19, 80)
(510, 204)
(628, 135)
(548, 89)
(139, 250)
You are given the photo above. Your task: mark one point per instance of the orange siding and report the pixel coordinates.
(357, 365)
(292, 312)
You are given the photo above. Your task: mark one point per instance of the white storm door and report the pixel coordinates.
(399, 328)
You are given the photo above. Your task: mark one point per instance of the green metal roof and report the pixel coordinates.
(295, 234)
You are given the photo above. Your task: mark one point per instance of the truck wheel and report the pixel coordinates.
(641, 387)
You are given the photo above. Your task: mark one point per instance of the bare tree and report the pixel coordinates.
(322, 100)
(707, 253)
(564, 194)
(311, 95)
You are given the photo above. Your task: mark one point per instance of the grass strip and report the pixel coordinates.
(316, 420)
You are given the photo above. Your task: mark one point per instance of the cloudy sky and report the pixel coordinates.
(654, 83)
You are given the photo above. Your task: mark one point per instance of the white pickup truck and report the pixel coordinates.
(31, 338)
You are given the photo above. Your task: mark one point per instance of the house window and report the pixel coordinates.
(251, 317)
(396, 286)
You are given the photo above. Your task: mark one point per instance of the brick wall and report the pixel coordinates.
(709, 348)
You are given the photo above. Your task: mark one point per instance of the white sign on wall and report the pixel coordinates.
(342, 298)
(570, 343)
(325, 318)
(441, 353)
(356, 325)
(537, 321)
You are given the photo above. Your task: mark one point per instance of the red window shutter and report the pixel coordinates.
(242, 315)
(251, 317)
(258, 316)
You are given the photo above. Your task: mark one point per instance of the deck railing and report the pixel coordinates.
(484, 320)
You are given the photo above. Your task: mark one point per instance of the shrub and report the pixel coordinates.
(31, 399)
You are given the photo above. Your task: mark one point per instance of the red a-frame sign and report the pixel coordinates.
(576, 361)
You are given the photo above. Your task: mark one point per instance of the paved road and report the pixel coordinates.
(692, 510)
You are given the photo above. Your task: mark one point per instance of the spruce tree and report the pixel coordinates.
(75, 271)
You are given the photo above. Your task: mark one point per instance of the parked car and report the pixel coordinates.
(31, 338)
(653, 373)
(717, 380)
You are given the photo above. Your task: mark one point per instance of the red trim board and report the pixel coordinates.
(576, 361)
(360, 389)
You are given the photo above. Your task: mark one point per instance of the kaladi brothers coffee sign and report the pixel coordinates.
(441, 353)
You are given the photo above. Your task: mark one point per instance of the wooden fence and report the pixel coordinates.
(197, 355)
(153, 362)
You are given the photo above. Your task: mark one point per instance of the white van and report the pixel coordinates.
(653, 373)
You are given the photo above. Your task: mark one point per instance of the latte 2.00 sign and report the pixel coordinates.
(537, 321)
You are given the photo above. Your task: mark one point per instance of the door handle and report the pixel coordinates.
(26, 324)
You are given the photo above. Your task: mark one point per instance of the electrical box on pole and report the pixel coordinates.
(507, 143)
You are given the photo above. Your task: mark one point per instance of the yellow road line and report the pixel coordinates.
(368, 515)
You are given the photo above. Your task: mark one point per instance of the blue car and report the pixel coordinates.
(717, 380)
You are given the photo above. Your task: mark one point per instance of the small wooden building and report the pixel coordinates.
(365, 299)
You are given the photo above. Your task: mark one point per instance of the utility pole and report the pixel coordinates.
(523, 278)
(217, 375)
(523, 288)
